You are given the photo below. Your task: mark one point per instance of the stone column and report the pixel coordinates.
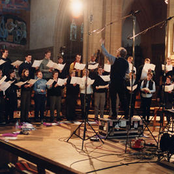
(113, 33)
(92, 20)
(102, 12)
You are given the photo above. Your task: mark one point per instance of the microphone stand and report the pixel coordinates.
(85, 120)
(165, 22)
(131, 94)
(163, 86)
(99, 30)
(153, 26)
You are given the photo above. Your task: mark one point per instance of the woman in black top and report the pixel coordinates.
(11, 97)
(72, 91)
(55, 97)
(25, 95)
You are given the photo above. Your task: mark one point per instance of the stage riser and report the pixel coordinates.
(118, 128)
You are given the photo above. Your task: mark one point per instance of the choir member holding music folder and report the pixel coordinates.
(11, 97)
(89, 92)
(26, 89)
(100, 88)
(147, 89)
(93, 67)
(40, 96)
(55, 97)
(46, 71)
(1, 100)
(167, 69)
(77, 66)
(165, 96)
(63, 71)
(144, 69)
(72, 91)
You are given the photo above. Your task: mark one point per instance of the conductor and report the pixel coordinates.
(119, 68)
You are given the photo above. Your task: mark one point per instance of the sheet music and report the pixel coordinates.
(149, 66)
(146, 89)
(51, 64)
(50, 82)
(90, 81)
(95, 66)
(145, 69)
(134, 87)
(20, 83)
(106, 78)
(3, 79)
(32, 81)
(4, 86)
(17, 63)
(107, 67)
(103, 87)
(11, 81)
(36, 63)
(79, 66)
(61, 82)
(59, 66)
(76, 80)
(168, 88)
(2, 61)
(168, 67)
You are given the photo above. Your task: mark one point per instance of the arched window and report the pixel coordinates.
(73, 31)
(81, 37)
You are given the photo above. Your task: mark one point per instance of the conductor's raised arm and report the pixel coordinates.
(110, 57)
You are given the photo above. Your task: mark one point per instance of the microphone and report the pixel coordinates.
(129, 37)
(165, 22)
(169, 18)
(135, 12)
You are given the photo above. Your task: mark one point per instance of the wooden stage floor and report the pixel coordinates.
(107, 158)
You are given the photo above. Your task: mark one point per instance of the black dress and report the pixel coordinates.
(10, 100)
(71, 100)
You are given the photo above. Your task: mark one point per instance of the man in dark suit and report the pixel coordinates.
(119, 67)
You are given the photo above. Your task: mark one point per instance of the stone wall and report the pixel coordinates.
(15, 27)
(102, 12)
(43, 17)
